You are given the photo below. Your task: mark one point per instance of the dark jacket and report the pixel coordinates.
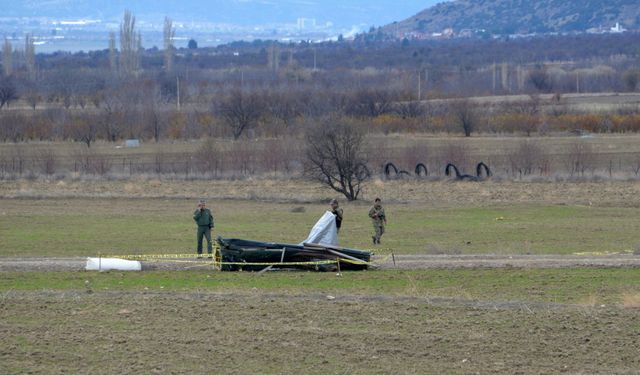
(339, 214)
(203, 218)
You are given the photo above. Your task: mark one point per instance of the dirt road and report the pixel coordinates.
(405, 262)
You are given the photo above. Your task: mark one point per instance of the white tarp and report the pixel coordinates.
(325, 231)
(107, 264)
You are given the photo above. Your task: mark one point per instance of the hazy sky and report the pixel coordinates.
(246, 12)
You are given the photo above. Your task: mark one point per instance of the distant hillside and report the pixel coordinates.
(521, 16)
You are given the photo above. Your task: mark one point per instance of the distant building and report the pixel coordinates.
(306, 23)
(617, 29)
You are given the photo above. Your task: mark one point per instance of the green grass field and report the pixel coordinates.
(611, 286)
(504, 320)
(88, 227)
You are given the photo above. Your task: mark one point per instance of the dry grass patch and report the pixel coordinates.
(631, 300)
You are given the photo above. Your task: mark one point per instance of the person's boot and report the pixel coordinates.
(374, 239)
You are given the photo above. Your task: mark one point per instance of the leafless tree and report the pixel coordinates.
(241, 111)
(335, 157)
(7, 57)
(168, 35)
(8, 91)
(465, 116)
(129, 44)
(113, 53)
(409, 109)
(111, 114)
(208, 158)
(32, 96)
(527, 158)
(152, 112)
(540, 80)
(370, 102)
(631, 78)
(83, 129)
(527, 112)
(580, 158)
(30, 55)
(273, 57)
(48, 161)
(283, 107)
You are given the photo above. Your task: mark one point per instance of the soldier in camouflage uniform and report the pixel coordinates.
(377, 215)
(203, 217)
(338, 212)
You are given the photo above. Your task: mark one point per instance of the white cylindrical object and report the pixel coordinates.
(107, 264)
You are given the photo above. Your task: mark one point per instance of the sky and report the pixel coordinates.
(242, 12)
(75, 25)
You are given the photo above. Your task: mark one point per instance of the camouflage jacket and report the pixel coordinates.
(376, 213)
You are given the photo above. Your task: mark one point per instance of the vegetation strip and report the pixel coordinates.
(619, 286)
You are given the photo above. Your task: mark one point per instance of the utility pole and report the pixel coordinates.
(419, 85)
(178, 91)
(315, 60)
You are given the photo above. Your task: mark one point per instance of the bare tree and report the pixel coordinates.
(283, 107)
(208, 158)
(83, 129)
(48, 161)
(241, 111)
(30, 55)
(540, 80)
(273, 58)
(631, 78)
(112, 52)
(8, 91)
(465, 116)
(169, 34)
(152, 112)
(111, 114)
(527, 114)
(129, 44)
(580, 158)
(528, 157)
(410, 109)
(371, 102)
(335, 157)
(7, 57)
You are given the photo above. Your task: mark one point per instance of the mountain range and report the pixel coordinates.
(521, 16)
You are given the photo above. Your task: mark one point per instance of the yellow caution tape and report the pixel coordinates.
(218, 263)
(180, 258)
(603, 253)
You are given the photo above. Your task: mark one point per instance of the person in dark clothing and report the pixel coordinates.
(336, 210)
(203, 217)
